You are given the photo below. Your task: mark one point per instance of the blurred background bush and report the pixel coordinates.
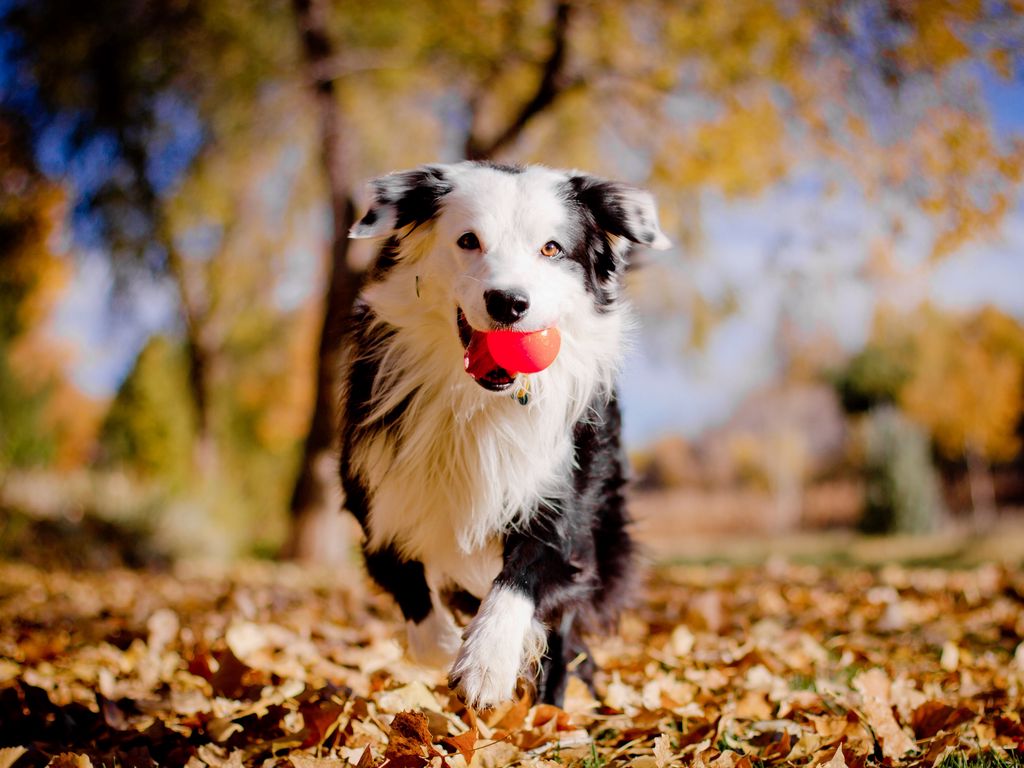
(834, 343)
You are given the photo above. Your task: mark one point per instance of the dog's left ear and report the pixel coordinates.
(622, 211)
(403, 199)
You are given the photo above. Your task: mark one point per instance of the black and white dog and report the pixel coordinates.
(475, 502)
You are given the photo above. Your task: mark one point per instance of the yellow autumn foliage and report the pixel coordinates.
(966, 383)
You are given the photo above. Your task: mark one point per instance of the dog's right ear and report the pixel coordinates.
(403, 199)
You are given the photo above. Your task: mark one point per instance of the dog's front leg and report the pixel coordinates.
(507, 637)
(432, 634)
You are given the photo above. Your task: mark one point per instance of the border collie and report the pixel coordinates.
(495, 500)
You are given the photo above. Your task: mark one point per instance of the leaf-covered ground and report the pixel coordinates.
(723, 667)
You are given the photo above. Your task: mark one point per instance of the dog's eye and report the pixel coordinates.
(468, 242)
(551, 249)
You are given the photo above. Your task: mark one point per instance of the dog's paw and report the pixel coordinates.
(500, 642)
(482, 683)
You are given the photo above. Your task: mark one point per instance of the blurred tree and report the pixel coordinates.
(902, 493)
(30, 211)
(151, 423)
(967, 389)
(44, 418)
(873, 377)
(180, 126)
(960, 377)
(127, 93)
(139, 93)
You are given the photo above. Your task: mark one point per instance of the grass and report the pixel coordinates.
(1010, 759)
(953, 548)
(594, 760)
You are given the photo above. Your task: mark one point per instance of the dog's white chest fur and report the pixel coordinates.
(462, 468)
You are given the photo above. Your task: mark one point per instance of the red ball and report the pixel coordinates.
(529, 352)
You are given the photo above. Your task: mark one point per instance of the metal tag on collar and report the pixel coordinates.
(522, 393)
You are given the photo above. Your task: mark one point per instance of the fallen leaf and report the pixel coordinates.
(778, 748)
(9, 755)
(300, 760)
(934, 716)
(408, 697)
(546, 713)
(874, 687)
(837, 760)
(663, 750)
(70, 760)
(950, 658)
(682, 641)
(409, 740)
(511, 717)
(465, 743)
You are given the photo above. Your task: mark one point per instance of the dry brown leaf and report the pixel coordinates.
(9, 755)
(874, 687)
(509, 717)
(950, 658)
(663, 754)
(836, 760)
(496, 754)
(301, 760)
(365, 759)
(465, 743)
(409, 739)
(416, 695)
(70, 760)
(753, 705)
(767, 682)
(682, 641)
(219, 757)
(163, 628)
(778, 748)
(934, 716)
(546, 713)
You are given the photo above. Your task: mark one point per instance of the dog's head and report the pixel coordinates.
(499, 247)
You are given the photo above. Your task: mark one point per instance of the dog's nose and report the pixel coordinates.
(506, 306)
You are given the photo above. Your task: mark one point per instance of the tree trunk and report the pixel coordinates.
(200, 349)
(201, 354)
(200, 368)
(317, 532)
(983, 496)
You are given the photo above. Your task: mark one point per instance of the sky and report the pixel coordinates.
(815, 280)
(789, 254)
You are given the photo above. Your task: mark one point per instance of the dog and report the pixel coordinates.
(496, 500)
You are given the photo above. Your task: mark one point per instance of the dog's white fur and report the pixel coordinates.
(470, 463)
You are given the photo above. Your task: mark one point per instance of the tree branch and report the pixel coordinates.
(553, 83)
